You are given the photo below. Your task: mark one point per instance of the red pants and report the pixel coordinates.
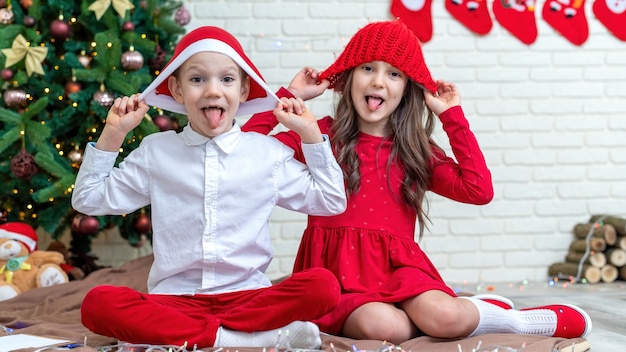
(136, 317)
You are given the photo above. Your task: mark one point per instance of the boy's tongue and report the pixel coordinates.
(374, 103)
(214, 115)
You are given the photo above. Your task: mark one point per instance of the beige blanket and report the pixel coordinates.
(55, 312)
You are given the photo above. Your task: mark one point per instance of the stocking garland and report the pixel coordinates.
(568, 18)
(416, 14)
(473, 14)
(612, 14)
(518, 17)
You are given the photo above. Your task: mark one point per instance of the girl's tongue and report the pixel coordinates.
(373, 103)
(214, 115)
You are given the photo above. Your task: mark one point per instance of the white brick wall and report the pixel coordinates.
(550, 117)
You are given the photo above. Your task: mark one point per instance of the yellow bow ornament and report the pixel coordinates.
(20, 49)
(100, 7)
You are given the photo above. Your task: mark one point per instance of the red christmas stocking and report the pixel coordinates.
(517, 17)
(416, 15)
(474, 14)
(612, 14)
(568, 18)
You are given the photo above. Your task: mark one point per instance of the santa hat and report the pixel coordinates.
(389, 41)
(21, 232)
(210, 39)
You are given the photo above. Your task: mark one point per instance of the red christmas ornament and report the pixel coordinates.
(29, 21)
(142, 223)
(128, 26)
(15, 98)
(156, 63)
(182, 17)
(7, 74)
(23, 165)
(88, 225)
(163, 122)
(132, 60)
(72, 87)
(60, 29)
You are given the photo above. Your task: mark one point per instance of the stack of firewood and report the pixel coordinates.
(601, 246)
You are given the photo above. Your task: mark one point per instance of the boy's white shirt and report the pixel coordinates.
(211, 200)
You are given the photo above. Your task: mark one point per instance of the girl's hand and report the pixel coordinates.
(294, 115)
(124, 115)
(447, 97)
(305, 85)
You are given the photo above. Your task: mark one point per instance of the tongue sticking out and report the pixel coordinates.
(214, 116)
(373, 103)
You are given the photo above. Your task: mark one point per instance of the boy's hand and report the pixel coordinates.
(293, 114)
(305, 85)
(447, 97)
(124, 115)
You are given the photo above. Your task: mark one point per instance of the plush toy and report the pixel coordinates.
(72, 271)
(22, 265)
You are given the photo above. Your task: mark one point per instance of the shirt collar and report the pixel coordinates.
(225, 141)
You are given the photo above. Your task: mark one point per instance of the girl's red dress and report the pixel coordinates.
(371, 247)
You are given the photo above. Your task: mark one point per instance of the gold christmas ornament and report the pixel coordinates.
(84, 60)
(6, 16)
(76, 156)
(21, 49)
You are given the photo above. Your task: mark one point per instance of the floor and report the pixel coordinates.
(605, 304)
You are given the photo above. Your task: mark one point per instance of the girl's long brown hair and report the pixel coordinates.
(411, 125)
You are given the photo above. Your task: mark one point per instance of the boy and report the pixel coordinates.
(212, 189)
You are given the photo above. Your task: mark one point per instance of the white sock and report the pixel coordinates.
(494, 320)
(298, 334)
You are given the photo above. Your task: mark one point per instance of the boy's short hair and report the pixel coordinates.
(210, 39)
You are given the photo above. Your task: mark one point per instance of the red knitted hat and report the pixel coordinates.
(21, 232)
(210, 39)
(389, 41)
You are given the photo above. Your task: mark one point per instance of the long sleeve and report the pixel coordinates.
(102, 189)
(265, 122)
(467, 180)
(211, 200)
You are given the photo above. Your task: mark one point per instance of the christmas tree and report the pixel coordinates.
(64, 62)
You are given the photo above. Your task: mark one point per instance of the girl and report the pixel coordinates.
(381, 136)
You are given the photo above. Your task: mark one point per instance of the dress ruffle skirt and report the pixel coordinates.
(399, 270)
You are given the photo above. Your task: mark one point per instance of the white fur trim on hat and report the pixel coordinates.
(167, 102)
(27, 240)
